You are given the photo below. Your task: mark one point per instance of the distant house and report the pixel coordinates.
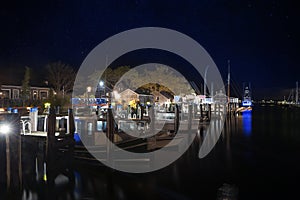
(127, 95)
(14, 92)
(161, 98)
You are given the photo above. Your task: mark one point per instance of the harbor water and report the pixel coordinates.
(256, 157)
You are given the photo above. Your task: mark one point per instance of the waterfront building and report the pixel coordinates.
(14, 92)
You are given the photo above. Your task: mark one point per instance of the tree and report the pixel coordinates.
(146, 80)
(109, 76)
(158, 78)
(25, 92)
(60, 77)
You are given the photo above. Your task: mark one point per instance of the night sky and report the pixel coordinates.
(261, 38)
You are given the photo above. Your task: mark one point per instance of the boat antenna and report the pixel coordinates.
(297, 93)
(228, 82)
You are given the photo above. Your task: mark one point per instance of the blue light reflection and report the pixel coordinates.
(247, 123)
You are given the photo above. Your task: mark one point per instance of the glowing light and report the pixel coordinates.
(4, 129)
(101, 83)
(47, 105)
(247, 103)
(45, 173)
(89, 89)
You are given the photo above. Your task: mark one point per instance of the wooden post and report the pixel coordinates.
(209, 112)
(152, 120)
(51, 132)
(142, 112)
(201, 112)
(50, 147)
(71, 136)
(109, 134)
(71, 122)
(110, 125)
(190, 114)
(152, 125)
(176, 120)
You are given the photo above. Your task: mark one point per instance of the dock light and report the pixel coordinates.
(89, 89)
(4, 129)
(47, 105)
(101, 83)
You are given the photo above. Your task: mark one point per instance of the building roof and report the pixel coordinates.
(19, 86)
(128, 90)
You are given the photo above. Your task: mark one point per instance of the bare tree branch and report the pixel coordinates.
(60, 77)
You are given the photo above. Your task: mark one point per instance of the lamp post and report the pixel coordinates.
(101, 84)
(88, 90)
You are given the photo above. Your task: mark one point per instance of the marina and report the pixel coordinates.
(151, 100)
(53, 155)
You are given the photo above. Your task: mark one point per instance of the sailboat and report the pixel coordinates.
(297, 102)
(247, 101)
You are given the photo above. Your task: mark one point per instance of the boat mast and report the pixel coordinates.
(250, 92)
(105, 82)
(204, 87)
(228, 83)
(297, 93)
(212, 91)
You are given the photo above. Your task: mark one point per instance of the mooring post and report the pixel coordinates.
(50, 147)
(201, 112)
(142, 112)
(110, 125)
(152, 120)
(190, 116)
(109, 134)
(152, 125)
(71, 122)
(209, 111)
(51, 131)
(176, 119)
(71, 132)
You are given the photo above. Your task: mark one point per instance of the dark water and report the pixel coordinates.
(257, 153)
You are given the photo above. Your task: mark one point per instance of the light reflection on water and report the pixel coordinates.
(257, 165)
(247, 123)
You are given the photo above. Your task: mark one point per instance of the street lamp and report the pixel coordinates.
(4, 129)
(101, 84)
(88, 90)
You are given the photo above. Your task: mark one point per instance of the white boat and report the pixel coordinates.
(247, 101)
